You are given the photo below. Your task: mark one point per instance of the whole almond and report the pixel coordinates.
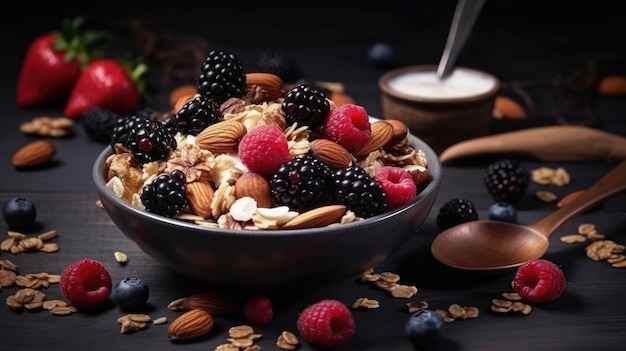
(34, 154)
(399, 130)
(507, 108)
(613, 85)
(222, 137)
(190, 325)
(267, 86)
(317, 217)
(200, 195)
(381, 133)
(255, 186)
(215, 303)
(330, 153)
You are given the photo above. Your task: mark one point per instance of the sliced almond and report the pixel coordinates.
(317, 217)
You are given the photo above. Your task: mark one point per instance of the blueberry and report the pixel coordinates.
(425, 328)
(502, 211)
(381, 54)
(131, 293)
(19, 213)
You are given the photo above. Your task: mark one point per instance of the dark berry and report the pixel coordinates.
(166, 194)
(196, 115)
(122, 129)
(424, 328)
(353, 187)
(326, 324)
(503, 211)
(222, 77)
(306, 106)
(131, 293)
(300, 183)
(456, 211)
(19, 213)
(149, 141)
(506, 180)
(86, 283)
(258, 310)
(99, 123)
(539, 281)
(278, 63)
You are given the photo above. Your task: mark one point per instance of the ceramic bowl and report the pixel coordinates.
(441, 113)
(269, 259)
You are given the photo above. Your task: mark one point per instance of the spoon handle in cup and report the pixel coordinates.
(609, 185)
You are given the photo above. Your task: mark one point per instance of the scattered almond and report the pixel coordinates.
(613, 85)
(507, 108)
(190, 325)
(200, 196)
(317, 217)
(400, 131)
(182, 91)
(34, 154)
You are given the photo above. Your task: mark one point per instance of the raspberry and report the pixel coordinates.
(258, 310)
(326, 324)
(348, 125)
(86, 283)
(539, 281)
(264, 149)
(397, 184)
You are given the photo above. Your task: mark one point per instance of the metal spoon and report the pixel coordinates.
(464, 17)
(486, 245)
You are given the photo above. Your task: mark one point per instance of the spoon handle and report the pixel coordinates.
(611, 184)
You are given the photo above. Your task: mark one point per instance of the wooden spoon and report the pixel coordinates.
(486, 245)
(553, 143)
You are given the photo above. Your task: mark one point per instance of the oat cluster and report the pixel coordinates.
(599, 248)
(17, 242)
(55, 127)
(511, 302)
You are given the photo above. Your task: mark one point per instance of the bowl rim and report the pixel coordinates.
(383, 84)
(434, 166)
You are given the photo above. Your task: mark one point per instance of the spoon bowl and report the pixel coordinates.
(487, 245)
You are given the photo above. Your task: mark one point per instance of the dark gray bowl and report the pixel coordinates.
(268, 259)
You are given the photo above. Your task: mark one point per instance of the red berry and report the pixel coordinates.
(264, 149)
(258, 310)
(539, 281)
(349, 126)
(326, 324)
(86, 283)
(397, 184)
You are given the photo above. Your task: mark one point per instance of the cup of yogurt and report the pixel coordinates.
(440, 112)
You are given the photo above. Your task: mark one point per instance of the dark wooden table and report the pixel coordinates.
(515, 40)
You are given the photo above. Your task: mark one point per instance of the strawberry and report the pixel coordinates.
(53, 62)
(106, 83)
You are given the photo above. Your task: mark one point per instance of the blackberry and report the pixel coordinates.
(278, 63)
(300, 183)
(122, 128)
(353, 187)
(149, 140)
(99, 123)
(305, 105)
(506, 180)
(197, 114)
(222, 77)
(166, 195)
(456, 211)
